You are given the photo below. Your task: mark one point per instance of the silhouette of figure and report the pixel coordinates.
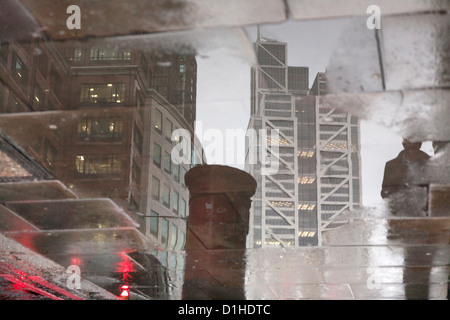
(404, 196)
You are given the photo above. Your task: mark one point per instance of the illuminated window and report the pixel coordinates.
(168, 130)
(103, 93)
(306, 180)
(77, 54)
(105, 128)
(109, 54)
(306, 207)
(98, 165)
(157, 121)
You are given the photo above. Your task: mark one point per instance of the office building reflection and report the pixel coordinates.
(318, 175)
(99, 118)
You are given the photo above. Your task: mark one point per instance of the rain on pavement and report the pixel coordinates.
(93, 205)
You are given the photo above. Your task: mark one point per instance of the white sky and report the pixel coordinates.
(223, 96)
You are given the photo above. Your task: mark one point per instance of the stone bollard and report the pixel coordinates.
(217, 229)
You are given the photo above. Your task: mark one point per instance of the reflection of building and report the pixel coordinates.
(338, 159)
(316, 179)
(109, 132)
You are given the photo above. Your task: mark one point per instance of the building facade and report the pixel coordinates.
(99, 117)
(315, 180)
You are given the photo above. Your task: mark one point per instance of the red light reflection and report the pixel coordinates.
(125, 267)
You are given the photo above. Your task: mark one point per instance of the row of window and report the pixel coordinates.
(102, 93)
(170, 198)
(167, 128)
(177, 170)
(103, 54)
(171, 237)
(101, 128)
(111, 164)
(12, 104)
(98, 165)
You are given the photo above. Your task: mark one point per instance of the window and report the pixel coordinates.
(173, 236)
(157, 155)
(103, 93)
(183, 208)
(167, 162)
(154, 223)
(19, 70)
(183, 173)
(177, 138)
(49, 154)
(176, 172)
(175, 198)
(105, 128)
(98, 165)
(168, 130)
(77, 54)
(181, 240)
(166, 196)
(155, 188)
(164, 231)
(109, 54)
(157, 121)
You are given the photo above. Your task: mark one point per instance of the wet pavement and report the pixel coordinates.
(369, 258)
(94, 207)
(104, 242)
(26, 275)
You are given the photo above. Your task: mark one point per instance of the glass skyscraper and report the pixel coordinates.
(316, 151)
